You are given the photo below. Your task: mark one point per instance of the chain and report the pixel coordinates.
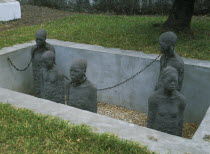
(111, 87)
(27, 67)
(18, 68)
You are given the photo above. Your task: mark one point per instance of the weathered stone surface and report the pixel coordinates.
(52, 79)
(166, 105)
(80, 92)
(36, 53)
(167, 42)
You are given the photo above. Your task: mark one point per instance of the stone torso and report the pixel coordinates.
(53, 85)
(166, 113)
(83, 96)
(36, 54)
(175, 62)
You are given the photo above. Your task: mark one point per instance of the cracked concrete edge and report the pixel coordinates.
(193, 62)
(154, 140)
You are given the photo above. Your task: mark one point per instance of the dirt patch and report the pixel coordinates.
(138, 118)
(34, 15)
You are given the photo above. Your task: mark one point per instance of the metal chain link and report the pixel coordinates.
(111, 87)
(18, 68)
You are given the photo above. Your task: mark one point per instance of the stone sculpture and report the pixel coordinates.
(166, 105)
(52, 79)
(36, 53)
(80, 92)
(167, 42)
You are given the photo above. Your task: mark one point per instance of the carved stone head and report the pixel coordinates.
(167, 42)
(78, 70)
(48, 59)
(40, 37)
(169, 78)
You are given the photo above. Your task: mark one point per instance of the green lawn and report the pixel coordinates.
(23, 131)
(125, 32)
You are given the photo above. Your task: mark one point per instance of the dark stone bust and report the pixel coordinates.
(166, 105)
(36, 52)
(80, 92)
(52, 79)
(167, 42)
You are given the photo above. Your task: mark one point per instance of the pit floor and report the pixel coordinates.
(138, 118)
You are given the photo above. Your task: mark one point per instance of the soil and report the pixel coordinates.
(34, 15)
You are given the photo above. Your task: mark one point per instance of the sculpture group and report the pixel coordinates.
(49, 80)
(166, 104)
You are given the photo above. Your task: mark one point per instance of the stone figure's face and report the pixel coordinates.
(76, 74)
(40, 41)
(170, 82)
(165, 48)
(48, 63)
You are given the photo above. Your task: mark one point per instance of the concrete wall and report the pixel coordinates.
(10, 78)
(107, 67)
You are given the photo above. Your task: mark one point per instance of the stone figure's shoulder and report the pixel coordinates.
(33, 48)
(88, 84)
(180, 96)
(162, 58)
(179, 58)
(59, 72)
(50, 47)
(68, 84)
(154, 97)
(43, 71)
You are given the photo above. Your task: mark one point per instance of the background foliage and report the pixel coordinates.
(129, 7)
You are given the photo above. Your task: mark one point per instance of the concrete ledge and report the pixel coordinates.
(156, 141)
(9, 10)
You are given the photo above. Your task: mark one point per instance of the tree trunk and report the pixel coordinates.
(181, 15)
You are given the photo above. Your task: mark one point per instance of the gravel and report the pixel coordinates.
(138, 118)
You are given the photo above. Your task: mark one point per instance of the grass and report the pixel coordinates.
(125, 32)
(23, 131)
